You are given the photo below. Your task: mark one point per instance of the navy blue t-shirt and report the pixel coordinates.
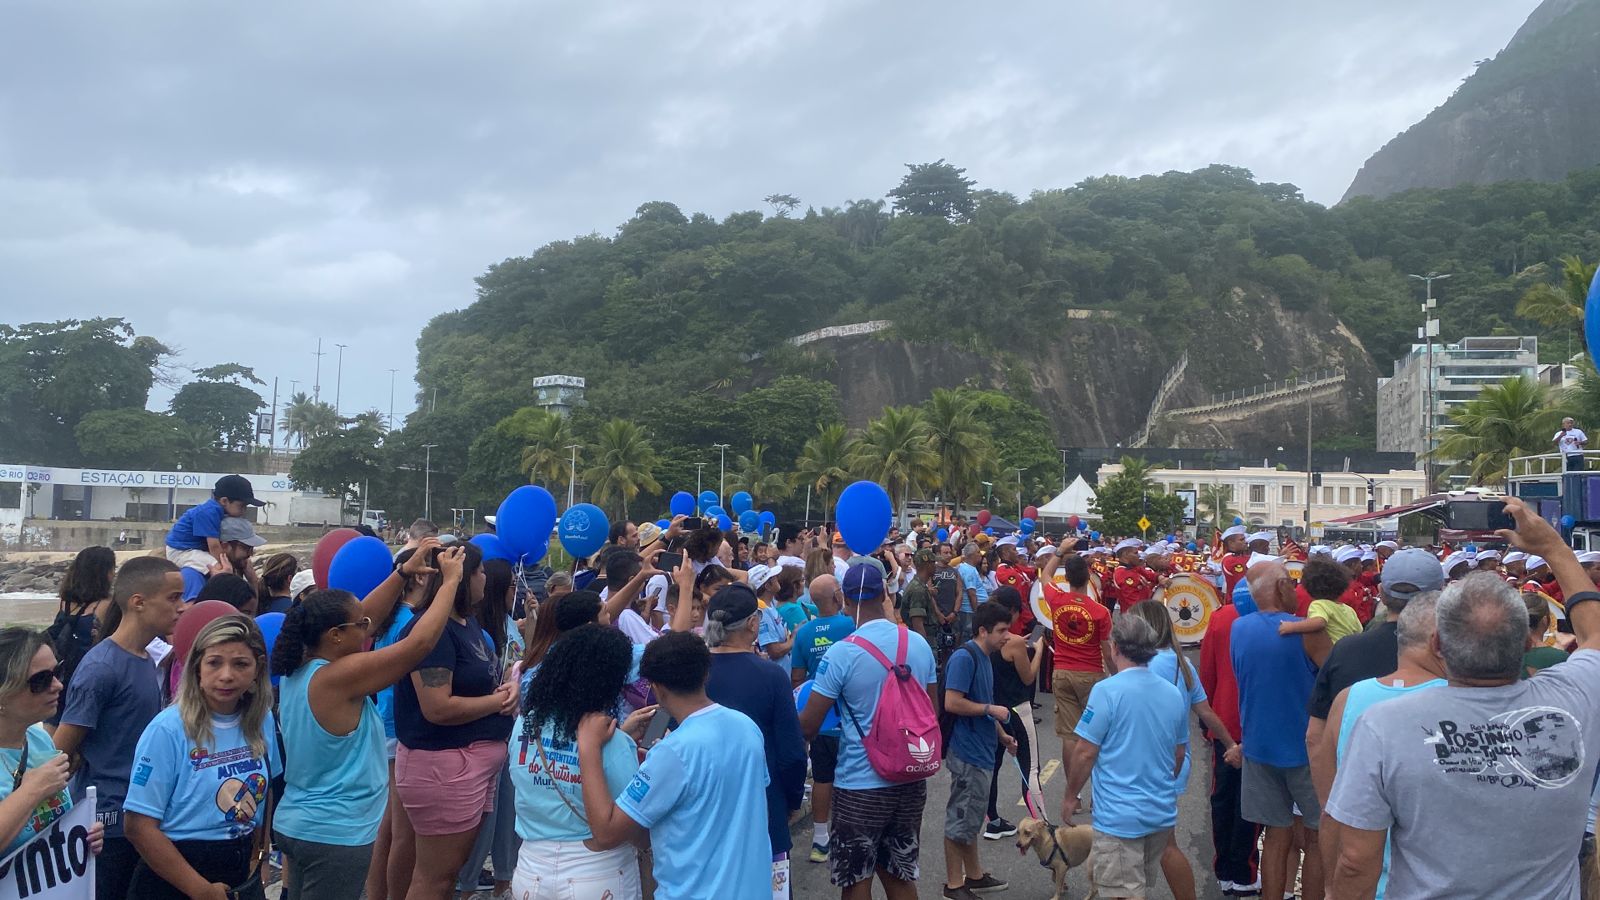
(759, 688)
(973, 740)
(1275, 678)
(466, 651)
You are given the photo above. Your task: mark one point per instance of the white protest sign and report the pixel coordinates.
(56, 864)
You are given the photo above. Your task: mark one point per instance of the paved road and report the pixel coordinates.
(1028, 880)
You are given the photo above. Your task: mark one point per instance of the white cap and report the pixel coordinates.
(302, 579)
(1009, 540)
(1454, 561)
(1320, 550)
(1369, 556)
(1487, 554)
(1235, 531)
(1365, 547)
(1514, 556)
(1259, 536)
(1589, 556)
(760, 575)
(1158, 548)
(1346, 554)
(1046, 550)
(1126, 544)
(489, 520)
(1390, 544)
(1535, 562)
(791, 562)
(1257, 559)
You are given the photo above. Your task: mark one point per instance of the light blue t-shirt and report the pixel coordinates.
(541, 813)
(1165, 665)
(211, 793)
(336, 787)
(1361, 696)
(1138, 721)
(41, 749)
(774, 630)
(402, 617)
(702, 794)
(971, 579)
(851, 676)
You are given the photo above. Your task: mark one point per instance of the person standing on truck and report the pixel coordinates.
(1571, 440)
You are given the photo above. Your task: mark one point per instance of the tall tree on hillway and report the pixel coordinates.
(545, 458)
(935, 189)
(824, 464)
(1559, 305)
(961, 441)
(896, 451)
(623, 464)
(752, 473)
(1513, 418)
(220, 401)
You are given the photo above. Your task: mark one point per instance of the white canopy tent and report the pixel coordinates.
(1074, 501)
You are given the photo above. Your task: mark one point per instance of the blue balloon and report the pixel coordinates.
(864, 514)
(536, 555)
(942, 534)
(989, 531)
(525, 518)
(663, 524)
(741, 502)
(802, 696)
(1567, 522)
(493, 547)
(1191, 547)
(1591, 320)
(750, 521)
(768, 518)
(1094, 535)
(1238, 520)
(716, 512)
(583, 529)
(724, 523)
(682, 504)
(270, 624)
(708, 499)
(360, 566)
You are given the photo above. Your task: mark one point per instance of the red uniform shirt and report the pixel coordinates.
(1079, 625)
(1233, 566)
(1132, 584)
(1019, 577)
(1359, 598)
(1216, 667)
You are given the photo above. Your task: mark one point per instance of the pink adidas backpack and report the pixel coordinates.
(903, 744)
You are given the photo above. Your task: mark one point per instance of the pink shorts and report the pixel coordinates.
(448, 791)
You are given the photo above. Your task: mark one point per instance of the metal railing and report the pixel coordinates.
(1168, 384)
(1547, 465)
(1287, 384)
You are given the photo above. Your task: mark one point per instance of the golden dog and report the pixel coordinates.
(1059, 849)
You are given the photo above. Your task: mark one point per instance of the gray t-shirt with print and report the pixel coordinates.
(1485, 790)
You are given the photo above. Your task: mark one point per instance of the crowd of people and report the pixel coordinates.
(653, 722)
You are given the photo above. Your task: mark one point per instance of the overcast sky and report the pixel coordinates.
(240, 180)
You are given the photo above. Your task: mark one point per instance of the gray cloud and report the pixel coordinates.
(240, 182)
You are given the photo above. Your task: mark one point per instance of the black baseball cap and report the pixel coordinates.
(236, 487)
(732, 604)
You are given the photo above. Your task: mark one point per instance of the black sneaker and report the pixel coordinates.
(988, 884)
(958, 893)
(996, 829)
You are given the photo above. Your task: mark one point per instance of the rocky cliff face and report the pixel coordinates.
(1528, 114)
(1096, 386)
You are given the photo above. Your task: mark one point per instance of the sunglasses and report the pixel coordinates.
(40, 682)
(364, 623)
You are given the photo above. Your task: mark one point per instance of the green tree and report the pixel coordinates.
(623, 464)
(962, 442)
(340, 462)
(219, 402)
(546, 458)
(127, 439)
(1213, 502)
(782, 204)
(896, 451)
(1513, 418)
(305, 419)
(1559, 305)
(1131, 494)
(752, 473)
(935, 189)
(824, 464)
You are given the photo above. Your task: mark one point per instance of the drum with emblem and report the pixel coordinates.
(1296, 569)
(1041, 610)
(1190, 600)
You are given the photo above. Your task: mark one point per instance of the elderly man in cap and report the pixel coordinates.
(1482, 786)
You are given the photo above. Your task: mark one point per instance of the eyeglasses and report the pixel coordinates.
(40, 682)
(364, 623)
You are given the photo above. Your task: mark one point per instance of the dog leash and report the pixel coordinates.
(1049, 827)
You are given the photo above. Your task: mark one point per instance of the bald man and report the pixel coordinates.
(811, 641)
(1275, 678)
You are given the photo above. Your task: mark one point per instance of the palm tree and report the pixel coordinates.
(962, 442)
(545, 458)
(305, 418)
(1214, 500)
(824, 463)
(1513, 418)
(1559, 305)
(896, 451)
(750, 473)
(623, 463)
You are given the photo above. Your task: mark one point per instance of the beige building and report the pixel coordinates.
(1273, 497)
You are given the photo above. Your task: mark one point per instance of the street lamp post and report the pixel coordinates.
(722, 482)
(1019, 493)
(338, 380)
(427, 481)
(391, 398)
(572, 475)
(316, 386)
(699, 477)
(1063, 471)
(1430, 330)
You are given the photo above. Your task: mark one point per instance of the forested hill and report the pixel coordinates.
(1074, 302)
(1529, 113)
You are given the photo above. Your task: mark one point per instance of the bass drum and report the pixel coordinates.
(1190, 600)
(1041, 610)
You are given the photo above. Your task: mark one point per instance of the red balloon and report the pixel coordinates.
(984, 516)
(193, 619)
(1031, 512)
(1073, 521)
(974, 529)
(327, 547)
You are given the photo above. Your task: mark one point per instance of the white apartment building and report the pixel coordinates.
(1460, 372)
(1274, 497)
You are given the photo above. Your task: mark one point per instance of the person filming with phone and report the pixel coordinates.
(1571, 440)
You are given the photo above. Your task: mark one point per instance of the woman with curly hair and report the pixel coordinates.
(580, 674)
